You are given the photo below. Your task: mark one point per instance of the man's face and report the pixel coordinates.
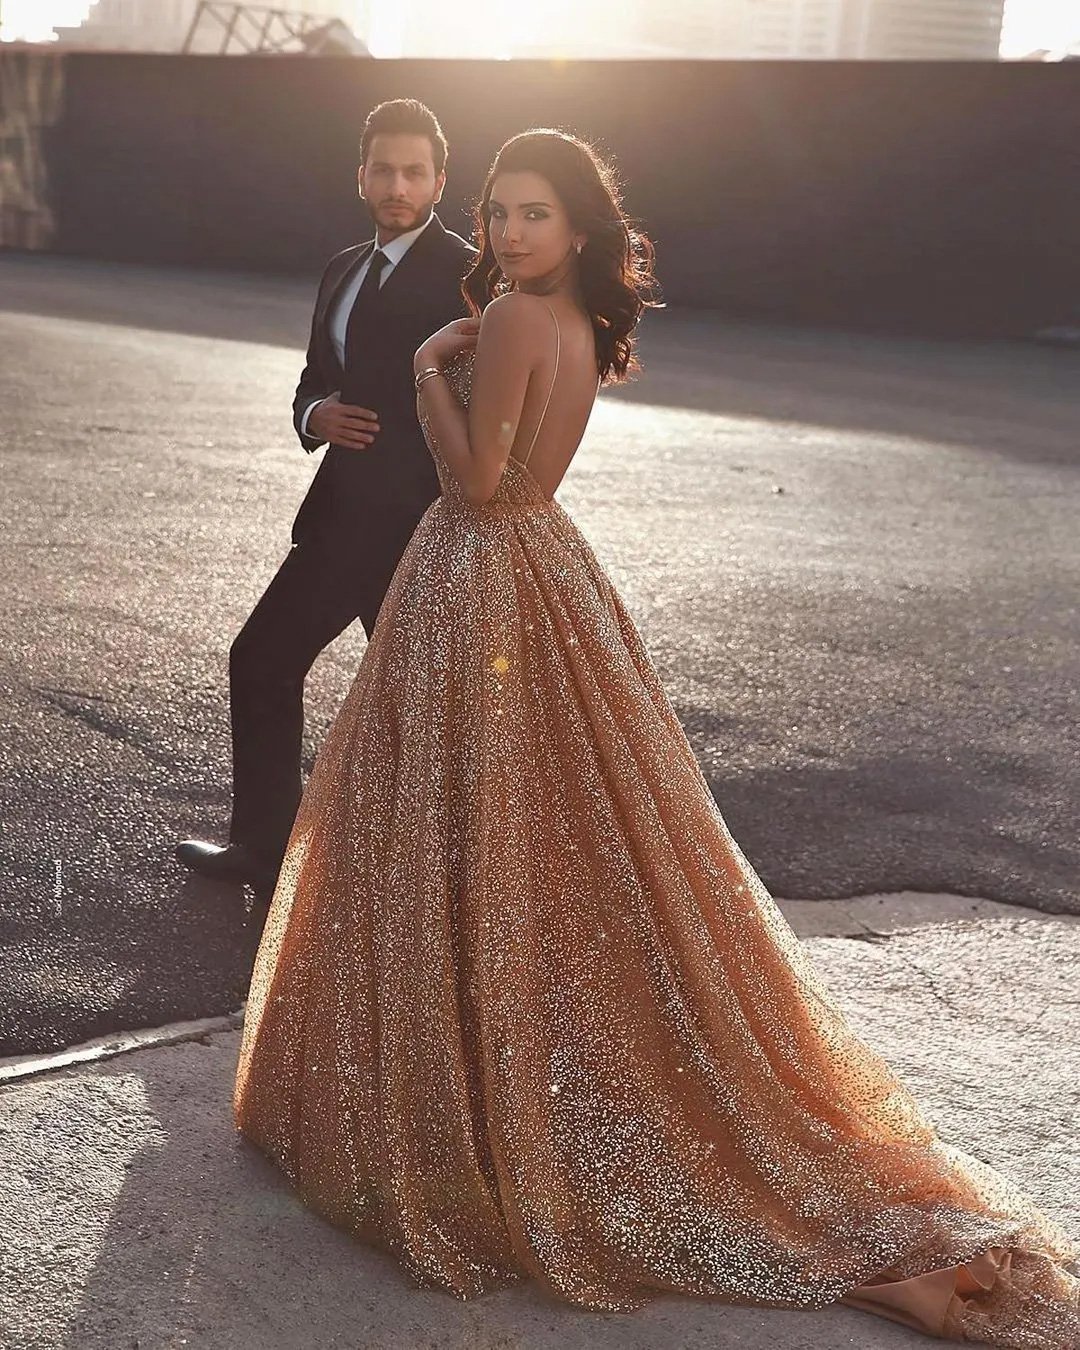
(399, 183)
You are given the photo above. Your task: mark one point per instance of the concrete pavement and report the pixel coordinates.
(136, 1217)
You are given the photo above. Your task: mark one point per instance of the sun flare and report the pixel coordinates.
(493, 30)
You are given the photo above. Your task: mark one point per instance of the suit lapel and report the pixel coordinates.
(334, 295)
(425, 247)
(351, 269)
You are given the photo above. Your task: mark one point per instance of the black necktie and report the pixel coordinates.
(369, 289)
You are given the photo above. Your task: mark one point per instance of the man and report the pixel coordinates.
(375, 305)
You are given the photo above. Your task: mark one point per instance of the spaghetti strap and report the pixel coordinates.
(551, 390)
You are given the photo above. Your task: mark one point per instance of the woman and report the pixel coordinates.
(521, 1007)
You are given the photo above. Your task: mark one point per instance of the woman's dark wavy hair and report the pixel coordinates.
(615, 266)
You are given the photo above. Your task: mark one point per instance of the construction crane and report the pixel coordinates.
(224, 28)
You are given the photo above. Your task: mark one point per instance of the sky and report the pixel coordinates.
(1028, 23)
(32, 20)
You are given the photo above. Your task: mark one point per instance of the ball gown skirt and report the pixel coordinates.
(523, 1010)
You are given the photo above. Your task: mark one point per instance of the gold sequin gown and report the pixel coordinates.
(522, 1009)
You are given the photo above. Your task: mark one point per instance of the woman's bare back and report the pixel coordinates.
(560, 396)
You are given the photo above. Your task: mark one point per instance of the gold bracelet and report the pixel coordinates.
(427, 374)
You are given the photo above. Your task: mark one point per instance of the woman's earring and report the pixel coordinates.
(579, 246)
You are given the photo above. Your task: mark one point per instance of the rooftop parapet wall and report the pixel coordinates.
(936, 197)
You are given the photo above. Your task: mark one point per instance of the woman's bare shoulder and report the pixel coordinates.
(516, 314)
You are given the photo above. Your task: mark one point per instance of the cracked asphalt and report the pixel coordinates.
(854, 559)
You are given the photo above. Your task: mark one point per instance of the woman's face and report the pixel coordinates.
(529, 229)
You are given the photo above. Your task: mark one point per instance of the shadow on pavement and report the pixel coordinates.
(205, 1243)
(972, 393)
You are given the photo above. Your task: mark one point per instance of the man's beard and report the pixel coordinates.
(394, 222)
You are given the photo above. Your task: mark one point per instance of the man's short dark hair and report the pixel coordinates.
(405, 117)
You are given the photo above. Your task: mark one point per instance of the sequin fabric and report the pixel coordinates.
(522, 1008)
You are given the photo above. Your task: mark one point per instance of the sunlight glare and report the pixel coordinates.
(1033, 24)
(33, 21)
(492, 30)
(484, 30)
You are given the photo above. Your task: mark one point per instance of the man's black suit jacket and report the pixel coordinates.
(355, 493)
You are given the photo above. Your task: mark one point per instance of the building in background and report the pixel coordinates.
(132, 25)
(584, 29)
(163, 25)
(700, 30)
(793, 29)
(873, 30)
(923, 30)
(688, 29)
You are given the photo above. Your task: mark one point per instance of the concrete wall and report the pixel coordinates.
(934, 197)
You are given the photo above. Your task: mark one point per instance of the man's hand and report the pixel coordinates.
(343, 423)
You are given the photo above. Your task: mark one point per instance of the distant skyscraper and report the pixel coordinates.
(824, 29)
(886, 30)
(687, 29)
(693, 30)
(802, 29)
(924, 30)
(162, 25)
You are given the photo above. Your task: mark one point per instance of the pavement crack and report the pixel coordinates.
(874, 935)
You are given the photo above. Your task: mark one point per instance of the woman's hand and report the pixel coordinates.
(459, 336)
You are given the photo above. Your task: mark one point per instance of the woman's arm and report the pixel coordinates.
(475, 445)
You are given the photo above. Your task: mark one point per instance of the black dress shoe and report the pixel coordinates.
(233, 863)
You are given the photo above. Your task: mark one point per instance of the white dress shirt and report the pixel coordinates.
(338, 316)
